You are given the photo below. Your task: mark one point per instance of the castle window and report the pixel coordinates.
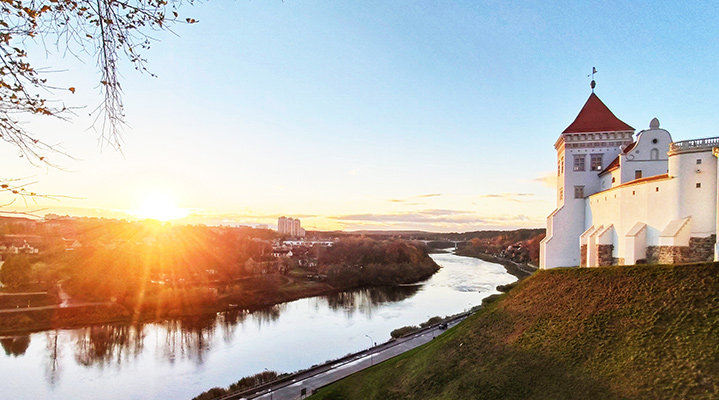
(633, 192)
(699, 185)
(657, 189)
(654, 154)
(637, 174)
(596, 162)
(699, 161)
(579, 162)
(579, 192)
(614, 179)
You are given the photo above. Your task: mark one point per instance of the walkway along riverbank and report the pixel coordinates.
(299, 384)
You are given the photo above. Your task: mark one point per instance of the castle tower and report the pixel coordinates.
(584, 149)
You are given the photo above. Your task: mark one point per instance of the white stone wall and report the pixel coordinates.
(625, 205)
(659, 203)
(694, 201)
(648, 155)
(560, 248)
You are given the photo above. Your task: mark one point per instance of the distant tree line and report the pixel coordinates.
(357, 262)
(520, 246)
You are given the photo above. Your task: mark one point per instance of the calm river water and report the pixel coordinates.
(180, 359)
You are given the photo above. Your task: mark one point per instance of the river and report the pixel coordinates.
(179, 359)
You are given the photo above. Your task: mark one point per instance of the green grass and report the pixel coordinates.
(637, 332)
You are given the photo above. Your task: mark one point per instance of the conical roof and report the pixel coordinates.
(596, 117)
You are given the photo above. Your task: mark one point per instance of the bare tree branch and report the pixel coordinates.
(104, 28)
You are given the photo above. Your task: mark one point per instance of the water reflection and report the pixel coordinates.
(229, 321)
(188, 338)
(52, 367)
(15, 345)
(367, 300)
(107, 344)
(269, 314)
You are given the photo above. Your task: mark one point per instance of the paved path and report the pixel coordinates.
(50, 307)
(65, 302)
(314, 378)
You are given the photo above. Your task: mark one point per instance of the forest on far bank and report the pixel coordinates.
(520, 246)
(146, 270)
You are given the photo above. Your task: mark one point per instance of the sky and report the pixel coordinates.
(399, 115)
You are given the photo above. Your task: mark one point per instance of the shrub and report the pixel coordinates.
(403, 331)
(15, 271)
(213, 393)
(490, 299)
(506, 288)
(431, 321)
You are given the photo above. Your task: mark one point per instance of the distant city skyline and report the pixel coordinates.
(290, 226)
(371, 115)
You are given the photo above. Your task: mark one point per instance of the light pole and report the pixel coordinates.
(270, 384)
(371, 361)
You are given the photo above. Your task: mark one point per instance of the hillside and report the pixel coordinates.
(639, 332)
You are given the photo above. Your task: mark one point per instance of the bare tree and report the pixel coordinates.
(105, 29)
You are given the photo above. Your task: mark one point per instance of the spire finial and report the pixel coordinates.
(594, 83)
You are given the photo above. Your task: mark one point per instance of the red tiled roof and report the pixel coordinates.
(635, 182)
(612, 166)
(629, 148)
(596, 117)
(647, 179)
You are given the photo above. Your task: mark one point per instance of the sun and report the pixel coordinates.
(161, 207)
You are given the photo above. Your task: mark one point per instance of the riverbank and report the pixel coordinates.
(254, 294)
(520, 271)
(620, 332)
(290, 385)
(36, 319)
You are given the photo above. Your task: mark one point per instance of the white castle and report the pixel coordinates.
(622, 201)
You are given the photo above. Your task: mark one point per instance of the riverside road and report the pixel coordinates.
(302, 384)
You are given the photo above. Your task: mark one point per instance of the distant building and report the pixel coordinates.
(290, 226)
(71, 244)
(622, 200)
(309, 243)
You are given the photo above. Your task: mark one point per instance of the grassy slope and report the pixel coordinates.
(618, 332)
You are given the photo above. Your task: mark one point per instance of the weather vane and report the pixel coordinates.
(593, 84)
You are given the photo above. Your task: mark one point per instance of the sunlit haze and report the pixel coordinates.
(367, 115)
(161, 207)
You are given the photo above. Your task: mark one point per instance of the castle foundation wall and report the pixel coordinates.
(604, 255)
(699, 250)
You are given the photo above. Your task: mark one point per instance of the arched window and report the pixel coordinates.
(654, 154)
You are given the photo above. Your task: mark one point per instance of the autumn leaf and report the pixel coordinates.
(72, 89)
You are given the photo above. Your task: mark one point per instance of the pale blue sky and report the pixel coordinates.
(351, 114)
